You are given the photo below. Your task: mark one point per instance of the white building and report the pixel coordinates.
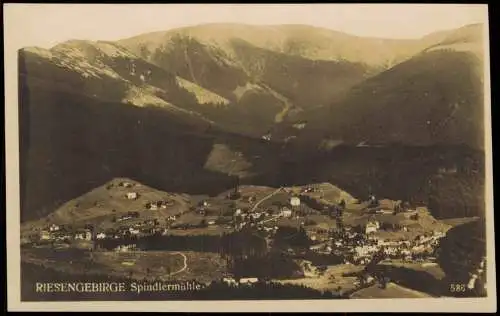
(132, 195)
(439, 234)
(418, 249)
(294, 201)
(54, 228)
(152, 206)
(362, 251)
(133, 231)
(248, 281)
(45, 235)
(230, 281)
(372, 227)
(286, 212)
(86, 235)
(472, 282)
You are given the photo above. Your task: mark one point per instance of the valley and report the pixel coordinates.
(293, 159)
(126, 229)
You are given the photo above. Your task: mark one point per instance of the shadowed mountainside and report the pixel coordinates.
(434, 98)
(71, 144)
(195, 118)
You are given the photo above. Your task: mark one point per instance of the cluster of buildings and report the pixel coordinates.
(126, 248)
(156, 205)
(86, 234)
(130, 226)
(258, 218)
(359, 248)
(60, 233)
(230, 281)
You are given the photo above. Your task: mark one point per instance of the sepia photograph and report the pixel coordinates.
(194, 157)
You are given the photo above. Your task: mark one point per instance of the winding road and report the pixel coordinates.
(185, 263)
(265, 198)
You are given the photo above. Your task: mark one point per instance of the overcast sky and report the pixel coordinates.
(45, 25)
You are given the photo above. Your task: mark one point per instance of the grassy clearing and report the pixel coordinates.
(332, 280)
(435, 271)
(459, 221)
(139, 265)
(109, 201)
(391, 291)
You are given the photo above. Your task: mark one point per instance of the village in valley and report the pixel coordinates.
(319, 227)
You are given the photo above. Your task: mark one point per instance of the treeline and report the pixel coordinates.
(270, 266)
(291, 237)
(263, 291)
(242, 243)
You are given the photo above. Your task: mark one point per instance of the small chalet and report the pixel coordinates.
(45, 235)
(54, 228)
(248, 281)
(133, 231)
(286, 212)
(372, 227)
(229, 281)
(132, 195)
(83, 235)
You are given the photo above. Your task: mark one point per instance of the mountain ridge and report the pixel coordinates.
(158, 115)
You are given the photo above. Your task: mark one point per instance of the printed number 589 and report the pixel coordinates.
(454, 287)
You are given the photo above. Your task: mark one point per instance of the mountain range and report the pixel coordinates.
(186, 107)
